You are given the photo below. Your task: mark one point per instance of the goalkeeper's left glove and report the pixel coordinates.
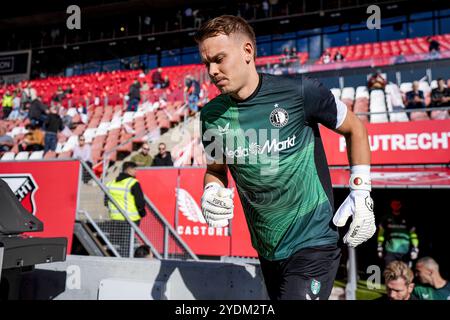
(414, 253)
(359, 205)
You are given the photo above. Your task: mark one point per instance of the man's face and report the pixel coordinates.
(398, 290)
(131, 172)
(2, 131)
(415, 85)
(441, 84)
(225, 59)
(162, 149)
(396, 206)
(145, 149)
(81, 141)
(423, 274)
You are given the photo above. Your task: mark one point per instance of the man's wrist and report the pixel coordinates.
(211, 185)
(360, 178)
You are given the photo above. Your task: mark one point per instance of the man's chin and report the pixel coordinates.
(224, 90)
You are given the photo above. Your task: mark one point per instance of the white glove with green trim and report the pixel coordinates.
(359, 205)
(217, 205)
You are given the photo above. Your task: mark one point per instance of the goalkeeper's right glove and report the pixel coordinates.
(359, 205)
(380, 250)
(217, 205)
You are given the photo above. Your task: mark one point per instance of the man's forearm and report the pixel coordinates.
(212, 176)
(358, 149)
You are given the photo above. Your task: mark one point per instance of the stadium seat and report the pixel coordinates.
(394, 102)
(23, 155)
(378, 104)
(36, 155)
(7, 156)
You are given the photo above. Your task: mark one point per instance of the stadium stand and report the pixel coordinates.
(387, 49)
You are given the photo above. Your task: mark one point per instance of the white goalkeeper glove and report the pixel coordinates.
(359, 205)
(414, 253)
(217, 205)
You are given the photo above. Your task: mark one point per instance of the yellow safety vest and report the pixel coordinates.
(7, 101)
(120, 191)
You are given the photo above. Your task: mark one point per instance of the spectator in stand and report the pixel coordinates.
(192, 91)
(68, 90)
(338, 57)
(59, 95)
(15, 114)
(286, 52)
(145, 86)
(53, 125)
(440, 96)
(82, 152)
(376, 82)
(166, 83)
(143, 158)
(6, 142)
(24, 110)
(134, 96)
(33, 140)
(29, 94)
(7, 103)
(415, 98)
(293, 52)
(400, 58)
(326, 58)
(265, 8)
(38, 112)
(157, 78)
(66, 118)
(433, 48)
(145, 91)
(398, 278)
(163, 158)
(433, 287)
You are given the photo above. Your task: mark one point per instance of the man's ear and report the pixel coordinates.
(410, 287)
(249, 52)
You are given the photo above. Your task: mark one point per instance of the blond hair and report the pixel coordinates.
(226, 25)
(396, 270)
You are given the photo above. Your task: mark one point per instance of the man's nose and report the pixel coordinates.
(213, 70)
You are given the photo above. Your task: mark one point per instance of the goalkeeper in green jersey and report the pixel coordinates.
(397, 238)
(265, 130)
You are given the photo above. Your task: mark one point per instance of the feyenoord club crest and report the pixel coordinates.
(315, 286)
(279, 117)
(24, 187)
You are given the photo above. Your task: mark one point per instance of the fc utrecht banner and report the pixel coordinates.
(49, 191)
(417, 142)
(177, 193)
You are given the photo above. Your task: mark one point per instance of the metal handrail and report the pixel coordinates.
(100, 232)
(114, 202)
(170, 228)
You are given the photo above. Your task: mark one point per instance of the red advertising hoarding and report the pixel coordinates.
(416, 142)
(47, 189)
(161, 185)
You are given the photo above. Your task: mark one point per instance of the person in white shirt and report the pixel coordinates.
(83, 152)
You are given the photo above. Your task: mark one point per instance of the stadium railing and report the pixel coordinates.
(165, 242)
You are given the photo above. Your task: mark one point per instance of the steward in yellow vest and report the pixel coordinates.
(127, 192)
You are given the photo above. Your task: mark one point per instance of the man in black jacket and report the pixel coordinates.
(127, 192)
(134, 96)
(38, 112)
(53, 125)
(163, 158)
